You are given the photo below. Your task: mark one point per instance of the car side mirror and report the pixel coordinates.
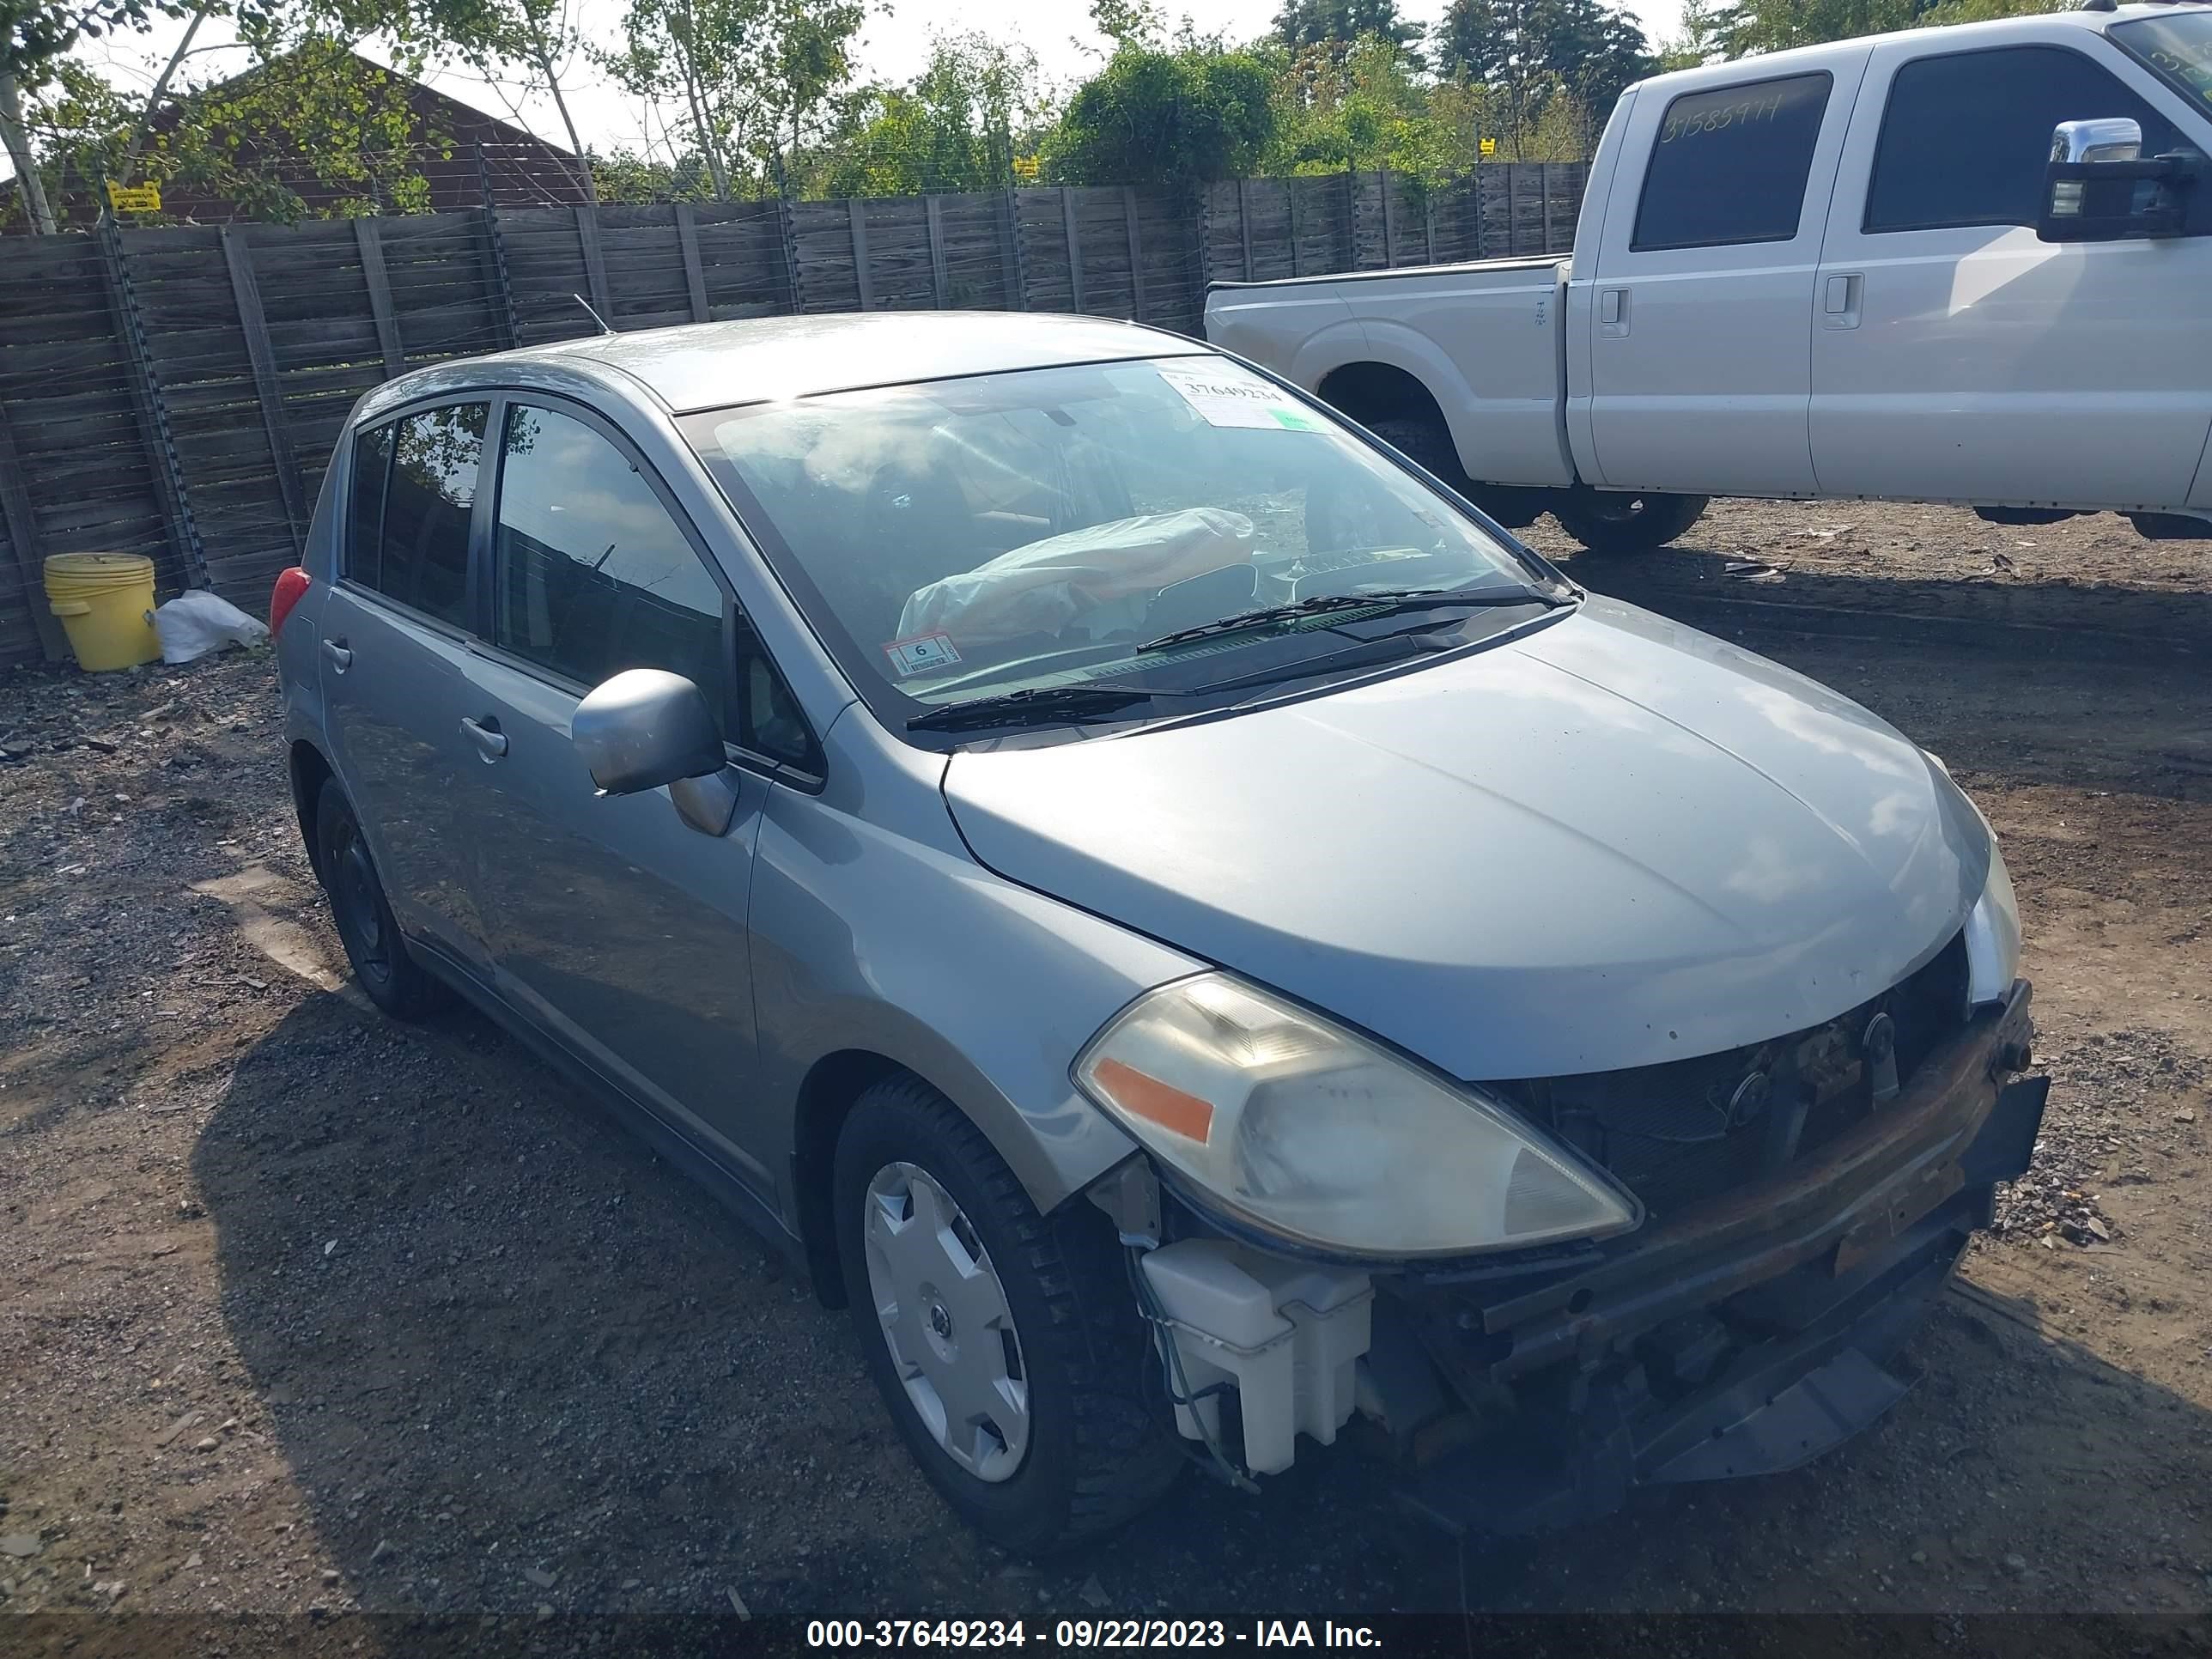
(645, 728)
(2100, 188)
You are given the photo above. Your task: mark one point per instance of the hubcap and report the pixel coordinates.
(944, 1318)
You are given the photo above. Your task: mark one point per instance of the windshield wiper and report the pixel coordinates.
(1037, 703)
(1383, 602)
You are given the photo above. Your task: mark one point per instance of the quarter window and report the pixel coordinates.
(412, 545)
(1965, 137)
(371, 466)
(1729, 164)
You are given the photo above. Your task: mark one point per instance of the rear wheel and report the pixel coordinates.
(1625, 522)
(395, 981)
(1006, 1343)
(1424, 441)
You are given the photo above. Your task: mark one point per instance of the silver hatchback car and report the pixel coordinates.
(1199, 938)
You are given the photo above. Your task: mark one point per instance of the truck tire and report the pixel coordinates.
(1026, 1321)
(1426, 442)
(1625, 521)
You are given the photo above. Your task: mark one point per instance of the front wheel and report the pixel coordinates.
(1625, 522)
(1006, 1343)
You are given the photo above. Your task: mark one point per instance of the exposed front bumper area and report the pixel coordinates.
(1745, 1338)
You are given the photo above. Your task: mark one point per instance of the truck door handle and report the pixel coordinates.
(490, 741)
(1612, 312)
(1840, 300)
(335, 654)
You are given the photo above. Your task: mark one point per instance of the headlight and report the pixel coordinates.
(1993, 935)
(1305, 1129)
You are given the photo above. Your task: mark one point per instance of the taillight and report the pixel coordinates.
(291, 588)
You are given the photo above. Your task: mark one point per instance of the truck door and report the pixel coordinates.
(1957, 358)
(1700, 369)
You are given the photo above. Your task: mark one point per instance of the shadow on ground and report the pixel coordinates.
(511, 1360)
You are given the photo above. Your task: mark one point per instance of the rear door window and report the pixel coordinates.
(1731, 165)
(408, 539)
(1966, 136)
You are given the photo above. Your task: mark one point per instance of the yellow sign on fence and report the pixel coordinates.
(1490, 147)
(1026, 165)
(134, 198)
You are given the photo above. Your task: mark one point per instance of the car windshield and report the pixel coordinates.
(1050, 528)
(2178, 48)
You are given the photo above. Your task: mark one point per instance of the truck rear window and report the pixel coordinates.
(1729, 164)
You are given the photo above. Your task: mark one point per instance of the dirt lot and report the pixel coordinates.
(306, 1310)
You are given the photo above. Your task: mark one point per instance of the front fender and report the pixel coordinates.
(869, 937)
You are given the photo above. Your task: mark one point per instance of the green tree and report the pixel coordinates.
(1301, 24)
(307, 119)
(1362, 106)
(1746, 26)
(746, 76)
(35, 36)
(1158, 117)
(534, 37)
(1527, 51)
(1694, 40)
(809, 58)
(950, 129)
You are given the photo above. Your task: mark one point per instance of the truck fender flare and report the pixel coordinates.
(1396, 346)
(1326, 351)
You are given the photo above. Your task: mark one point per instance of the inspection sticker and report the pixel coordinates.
(919, 653)
(1231, 398)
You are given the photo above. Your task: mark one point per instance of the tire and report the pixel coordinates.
(1426, 442)
(381, 964)
(1094, 1452)
(1622, 522)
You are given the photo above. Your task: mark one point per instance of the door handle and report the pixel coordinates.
(1840, 300)
(335, 654)
(490, 741)
(1612, 312)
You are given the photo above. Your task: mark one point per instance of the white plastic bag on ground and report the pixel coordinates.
(198, 622)
(1041, 587)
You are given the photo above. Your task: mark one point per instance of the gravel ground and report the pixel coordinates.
(311, 1313)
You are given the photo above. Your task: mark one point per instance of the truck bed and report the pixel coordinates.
(1481, 345)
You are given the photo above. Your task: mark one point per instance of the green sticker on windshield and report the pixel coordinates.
(1297, 420)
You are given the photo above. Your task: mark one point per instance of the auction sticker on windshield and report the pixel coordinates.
(1239, 400)
(921, 651)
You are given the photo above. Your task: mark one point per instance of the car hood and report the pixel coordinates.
(1609, 843)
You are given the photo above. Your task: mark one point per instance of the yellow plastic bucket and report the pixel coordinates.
(105, 602)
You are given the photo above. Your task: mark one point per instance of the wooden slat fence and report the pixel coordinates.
(177, 393)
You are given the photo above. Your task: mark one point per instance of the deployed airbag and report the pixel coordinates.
(1040, 588)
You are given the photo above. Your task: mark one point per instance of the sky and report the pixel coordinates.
(894, 46)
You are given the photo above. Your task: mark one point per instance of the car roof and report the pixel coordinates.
(716, 365)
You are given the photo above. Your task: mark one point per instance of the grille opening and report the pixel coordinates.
(1686, 1131)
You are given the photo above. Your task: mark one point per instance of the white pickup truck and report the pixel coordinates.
(1968, 265)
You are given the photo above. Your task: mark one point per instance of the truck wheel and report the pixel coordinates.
(395, 981)
(1425, 442)
(1006, 1344)
(1625, 521)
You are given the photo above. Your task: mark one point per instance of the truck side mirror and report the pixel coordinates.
(2098, 187)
